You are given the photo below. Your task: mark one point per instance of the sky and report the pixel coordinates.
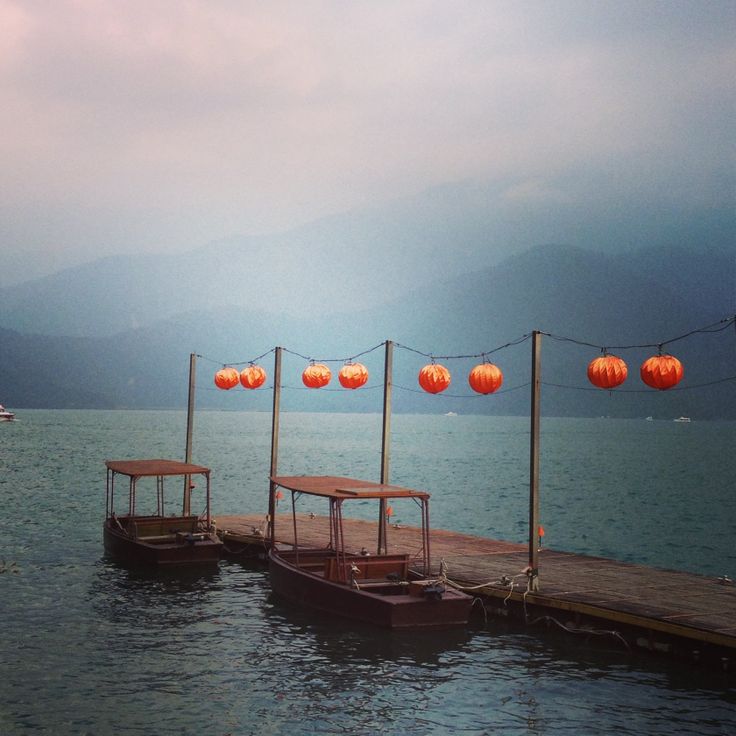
(161, 126)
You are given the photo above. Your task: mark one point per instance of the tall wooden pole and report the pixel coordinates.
(534, 462)
(385, 441)
(386, 434)
(274, 445)
(187, 504)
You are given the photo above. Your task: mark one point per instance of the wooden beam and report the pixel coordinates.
(385, 442)
(534, 462)
(187, 502)
(274, 443)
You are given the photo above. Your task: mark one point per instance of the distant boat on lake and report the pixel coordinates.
(683, 420)
(5, 415)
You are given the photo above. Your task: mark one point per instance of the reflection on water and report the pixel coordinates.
(352, 644)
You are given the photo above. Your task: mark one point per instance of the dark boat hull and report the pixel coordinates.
(385, 604)
(181, 551)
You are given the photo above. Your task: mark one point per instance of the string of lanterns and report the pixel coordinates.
(434, 378)
(252, 376)
(661, 372)
(607, 371)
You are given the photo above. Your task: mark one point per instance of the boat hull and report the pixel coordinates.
(386, 604)
(181, 550)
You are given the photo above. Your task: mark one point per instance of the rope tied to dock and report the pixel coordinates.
(505, 581)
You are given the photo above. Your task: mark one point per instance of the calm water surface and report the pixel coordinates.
(87, 647)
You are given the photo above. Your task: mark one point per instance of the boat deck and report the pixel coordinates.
(687, 615)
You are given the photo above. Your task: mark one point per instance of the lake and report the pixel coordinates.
(88, 647)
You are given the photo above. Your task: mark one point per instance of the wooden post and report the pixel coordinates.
(385, 442)
(187, 503)
(534, 463)
(271, 535)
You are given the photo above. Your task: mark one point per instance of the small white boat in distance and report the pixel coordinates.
(682, 419)
(6, 416)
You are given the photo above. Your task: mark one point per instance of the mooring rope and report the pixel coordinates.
(504, 581)
(510, 581)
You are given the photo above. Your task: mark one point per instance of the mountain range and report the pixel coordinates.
(117, 333)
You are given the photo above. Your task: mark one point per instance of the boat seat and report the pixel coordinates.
(156, 538)
(374, 569)
(154, 526)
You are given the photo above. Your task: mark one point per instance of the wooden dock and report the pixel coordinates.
(676, 613)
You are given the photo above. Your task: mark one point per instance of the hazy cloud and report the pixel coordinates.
(139, 125)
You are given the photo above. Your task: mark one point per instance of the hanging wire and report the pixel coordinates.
(640, 390)
(719, 326)
(243, 392)
(237, 362)
(462, 396)
(326, 388)
(482, 355)
(334, 360)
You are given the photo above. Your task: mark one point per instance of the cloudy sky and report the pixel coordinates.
(161, 125)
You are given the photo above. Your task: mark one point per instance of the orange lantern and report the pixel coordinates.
(661, 372)
(607, 371)
(252, 376)
(316, 375)
(226, 378)
(434, 378)
(353, 375)
(485, 378)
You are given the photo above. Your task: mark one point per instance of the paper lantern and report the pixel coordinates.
(434, 378)
(226, 378)
(607, 371)
(353, 375)
(252, 376)
(316, 375)
(485, 378)
(661, 372)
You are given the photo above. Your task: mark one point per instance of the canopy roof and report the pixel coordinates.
(144, 468)
(336, 487)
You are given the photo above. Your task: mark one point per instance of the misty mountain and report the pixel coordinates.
(355, 260)
(376, 253)
(576, 295)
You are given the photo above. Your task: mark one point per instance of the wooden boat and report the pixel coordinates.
(390, 590)
(158, 539)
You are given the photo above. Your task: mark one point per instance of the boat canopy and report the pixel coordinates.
(330, 486)
(151, 468)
